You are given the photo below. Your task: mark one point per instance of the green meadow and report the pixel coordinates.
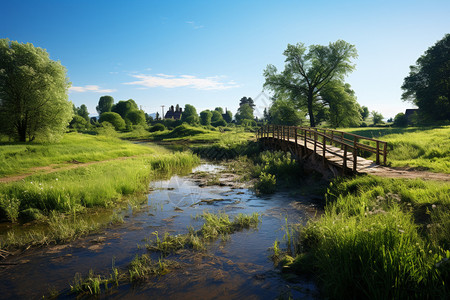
(422, 148)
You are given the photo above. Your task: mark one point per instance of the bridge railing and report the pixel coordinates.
(319, 138)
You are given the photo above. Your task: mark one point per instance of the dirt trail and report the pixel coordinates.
(55, 168)
(410, 174)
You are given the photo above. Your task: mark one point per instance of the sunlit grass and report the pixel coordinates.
(17, 158)
(73, 191)
(421, 148)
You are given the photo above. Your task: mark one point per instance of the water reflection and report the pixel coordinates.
(236, 268)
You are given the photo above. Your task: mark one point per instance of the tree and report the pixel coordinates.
(219, 109)
(364, 112)
(33, 93)
(428, 83)
(216, 116)
(343, 110)
(105, 104)
(114, 118)
(249, 101)
(400, 120)
(190, 115)
(307, 73)
(136, 117)
(78, 123)
(82, 111)
(205, 117)
(377, 117)
(245, 112)
(124, 107)
(283, 112)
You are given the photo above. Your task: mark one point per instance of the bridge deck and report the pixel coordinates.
(334, 147)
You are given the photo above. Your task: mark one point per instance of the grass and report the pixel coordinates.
(194, 134)
(77, 190)
(215, 225)
(140, 268)
(16, 158)
(423, 148)
(380, 238)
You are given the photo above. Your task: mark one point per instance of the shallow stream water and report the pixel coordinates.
(235, 268)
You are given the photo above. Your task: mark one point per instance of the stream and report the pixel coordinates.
(238, 267)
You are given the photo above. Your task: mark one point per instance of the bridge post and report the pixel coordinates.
(355, 154)
(344, 164)
(384, 153)
(378, 153)
(315, 141)
(324, 146)
(295, 139)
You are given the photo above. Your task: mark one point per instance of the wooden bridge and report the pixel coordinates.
(335, 148)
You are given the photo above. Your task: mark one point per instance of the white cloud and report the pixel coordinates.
(172, 81)
(90, 88)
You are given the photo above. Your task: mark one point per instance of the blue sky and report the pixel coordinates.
(212, 53)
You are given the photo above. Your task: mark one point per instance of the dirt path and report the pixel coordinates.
(56, 168)
(407, 173)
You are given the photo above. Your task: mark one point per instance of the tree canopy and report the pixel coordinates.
(283, 112)
(308, 71)
(343, 109)
(33, 93)
(124, 107)
(105, 104)
(205, 117)
(249, 101)
(245, 112)
(428, 82)
(190, 115)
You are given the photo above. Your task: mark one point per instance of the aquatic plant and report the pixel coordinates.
(215, 225)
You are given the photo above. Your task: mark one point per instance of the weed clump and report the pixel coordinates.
(215, 225)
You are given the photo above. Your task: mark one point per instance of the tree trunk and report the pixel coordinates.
(310, 110)
(22, 131)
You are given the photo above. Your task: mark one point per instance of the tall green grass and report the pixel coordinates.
(381, 239)
(19, 157)
(95, 185)
(421, 148)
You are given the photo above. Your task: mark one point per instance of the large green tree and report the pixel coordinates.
(190, 115)
(428, 82)
(245, 112)
(283, 112)
(343, 109)
(33, 93)
(105, 104)
(308, 71)
(205, 117)
(124, 107)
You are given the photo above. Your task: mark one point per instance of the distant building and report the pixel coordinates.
(409, 114)
(174, 113)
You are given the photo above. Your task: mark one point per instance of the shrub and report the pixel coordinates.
(400, 120)
(157, 127)
(219, 123)
(114, 118)
(266, 183)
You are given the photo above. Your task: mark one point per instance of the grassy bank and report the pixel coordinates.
(423, 148)
(41, 197)
(16, 158)
(379, 239)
